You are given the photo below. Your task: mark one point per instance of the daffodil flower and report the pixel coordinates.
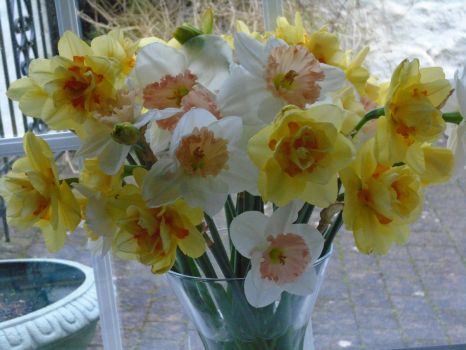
(34, 195)
(412, 114)
(271, 76)
(204, 164)
(79, 83)
(174, 80)
(152, 235)
(300, 154)
(282, 254)
(110, 140)
(381, 201)
(103, 202)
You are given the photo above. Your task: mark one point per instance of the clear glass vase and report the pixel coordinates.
(225, 320)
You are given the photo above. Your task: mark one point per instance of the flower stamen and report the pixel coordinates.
(202, 154)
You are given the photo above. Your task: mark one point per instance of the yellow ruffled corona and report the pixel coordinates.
(35, 197)
(299, 155)
(68, 89)
(380, 201)
(412, 114)
(152, 235)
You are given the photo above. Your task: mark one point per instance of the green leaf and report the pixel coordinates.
(207, 21)
(186, 32)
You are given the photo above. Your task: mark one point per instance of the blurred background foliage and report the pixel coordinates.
(143, 18)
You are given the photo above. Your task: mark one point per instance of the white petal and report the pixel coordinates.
(252, 54)
(93, 145)
(242, 174)
(269, 108)
(260, 292)
(452, 104)
(457, 143)
(242, 95)
(196, 117)
(305, 285)
(247, 232)
(97, 217)
(166, 113)
(209, 193)
(155, 61)
(228, 128)
(161, 184)
(461, 90)
(146, 118)
(157, 138)
(282, 218)
(209, 57)
(272, 43)
(112, 157)
(334, 80)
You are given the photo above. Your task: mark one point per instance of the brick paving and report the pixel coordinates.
(414, 296)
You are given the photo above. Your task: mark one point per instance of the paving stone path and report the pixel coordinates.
(414, 296)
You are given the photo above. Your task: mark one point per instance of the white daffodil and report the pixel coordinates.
(203, 164)
(457, 133)
(110, 136)
(282, 254)
(273, 75)
(205, 59)
(174, 80)
(159, 131)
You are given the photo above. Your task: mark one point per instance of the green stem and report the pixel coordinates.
(230, 210)
(305, 214)
(128, 169)
(217, 248)
(374, 114)
(331, 233)
(230, 213)
(452, 117)
(206, 266)
(240, 262)
(186, 264)
(131, 160)
(70, 180)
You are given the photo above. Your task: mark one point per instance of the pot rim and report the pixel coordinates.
(211, 279)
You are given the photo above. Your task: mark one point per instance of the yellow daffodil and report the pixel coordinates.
(35, 197)
(349, 100)
(380, 201)
(356, 73)
(152, 235)
(115, 45)
(242, 27)
(438, 164)
(81, 82)
(300, 153)
(325, 46)
(104, 201)
(412, 114)
(292, 34)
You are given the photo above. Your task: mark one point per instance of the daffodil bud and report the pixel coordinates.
(186, 32)
(125, 133)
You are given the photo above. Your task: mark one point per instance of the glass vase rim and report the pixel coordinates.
(225, 279)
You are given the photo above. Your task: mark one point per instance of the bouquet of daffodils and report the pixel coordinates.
(263, 127)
